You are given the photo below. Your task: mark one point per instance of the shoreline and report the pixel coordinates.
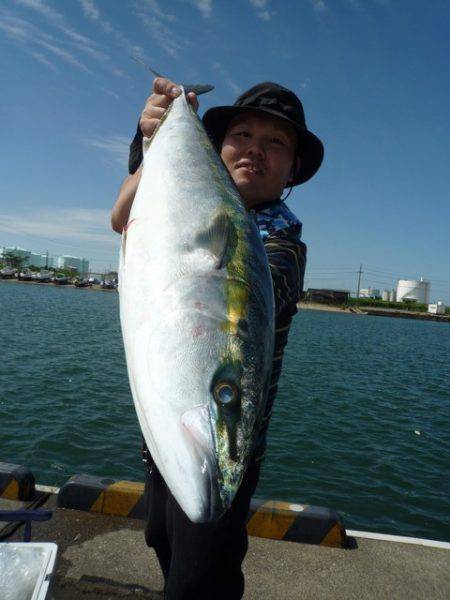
(356, 310)
(94, 286)
(375, 311)
(323, 307)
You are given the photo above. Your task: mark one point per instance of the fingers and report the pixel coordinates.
(192, 98)
(164, 91)
(165, 87)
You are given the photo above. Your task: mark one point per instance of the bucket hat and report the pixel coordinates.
(276, 100)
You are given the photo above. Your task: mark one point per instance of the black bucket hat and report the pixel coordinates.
(281, 102)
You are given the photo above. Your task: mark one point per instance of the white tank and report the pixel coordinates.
(413, 289)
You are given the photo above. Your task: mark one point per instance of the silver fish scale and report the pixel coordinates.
(196, 306)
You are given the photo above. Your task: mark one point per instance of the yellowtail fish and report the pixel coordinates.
(197, 315)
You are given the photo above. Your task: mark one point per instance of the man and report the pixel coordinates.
(266, 147)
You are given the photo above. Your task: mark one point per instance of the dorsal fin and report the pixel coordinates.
(216, 238)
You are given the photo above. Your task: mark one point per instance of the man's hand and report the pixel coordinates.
(164, 91)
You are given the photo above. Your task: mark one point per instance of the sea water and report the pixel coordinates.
(361, 421)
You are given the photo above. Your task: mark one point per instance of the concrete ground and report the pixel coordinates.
(103, 557)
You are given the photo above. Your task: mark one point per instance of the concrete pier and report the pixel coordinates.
(105, 557)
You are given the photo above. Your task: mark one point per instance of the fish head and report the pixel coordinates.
(205, 402)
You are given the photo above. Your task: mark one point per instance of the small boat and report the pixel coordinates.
(82, 283)
(7, 273)
(25, 275)
(108, 285)
(43, 277)
(61, 280)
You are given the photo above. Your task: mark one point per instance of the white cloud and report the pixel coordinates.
(63, 54)
(81, 42)
(56, 19)
(90, 10)
(27, 35)
(162, 36)
(114, 146)
(226, 78)
(305, 84)
(319, 5)
(262, 9)
(204, 6)
(14, 30)
(360, 4)
(109, 92)
(158, 12)
(56, 224)
(44, 60)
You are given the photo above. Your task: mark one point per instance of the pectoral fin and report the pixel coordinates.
(216, 239)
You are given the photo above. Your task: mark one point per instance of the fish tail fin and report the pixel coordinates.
(197, 88)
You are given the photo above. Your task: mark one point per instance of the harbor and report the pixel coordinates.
(375, 311)
(104, 555)
(342, 413)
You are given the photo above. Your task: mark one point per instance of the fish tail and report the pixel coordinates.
(197, 88)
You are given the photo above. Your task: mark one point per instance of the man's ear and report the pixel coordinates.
(294, 169)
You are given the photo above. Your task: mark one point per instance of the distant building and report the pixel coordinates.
(369, 293)
(327, 296)
(43, 261)
(437, 308)
(412, 289)
(15, 251)
(81, 265)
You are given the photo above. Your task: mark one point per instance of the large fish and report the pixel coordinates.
(196, 307)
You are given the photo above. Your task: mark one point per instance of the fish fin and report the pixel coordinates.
(199, 88)
(216, 238)
(197, 422)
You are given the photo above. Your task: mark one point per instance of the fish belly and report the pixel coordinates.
(196, 311)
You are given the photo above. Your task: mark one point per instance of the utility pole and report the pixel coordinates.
(359, 280)
(46, 260)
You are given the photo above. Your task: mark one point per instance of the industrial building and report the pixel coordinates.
(81, 265)
(369, 293)
(327, 296)
(413, 290)
(45, 261)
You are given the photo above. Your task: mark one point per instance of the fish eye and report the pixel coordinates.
(226, 393)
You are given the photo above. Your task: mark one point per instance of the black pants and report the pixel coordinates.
(199, 561)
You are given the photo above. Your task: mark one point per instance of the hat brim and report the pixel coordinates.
(310, 148)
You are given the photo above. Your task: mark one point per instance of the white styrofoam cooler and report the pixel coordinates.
(26, 569)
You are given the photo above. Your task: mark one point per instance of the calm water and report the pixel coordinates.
(354, 391)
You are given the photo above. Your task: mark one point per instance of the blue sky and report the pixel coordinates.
(372, 74)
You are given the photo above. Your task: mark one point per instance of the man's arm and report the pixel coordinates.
(287, 260)
(122, 206)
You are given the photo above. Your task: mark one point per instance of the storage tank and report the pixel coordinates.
(413, 289)
(392, 296)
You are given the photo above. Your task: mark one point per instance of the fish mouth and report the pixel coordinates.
(197, 424)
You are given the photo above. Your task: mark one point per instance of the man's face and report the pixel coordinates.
(259, 152)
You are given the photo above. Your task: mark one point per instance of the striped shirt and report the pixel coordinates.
(280, 232)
